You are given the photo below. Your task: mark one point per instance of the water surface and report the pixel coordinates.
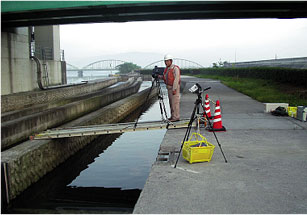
(106, 176)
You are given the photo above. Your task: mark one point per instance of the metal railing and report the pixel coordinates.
(43, 53)
(62, 55)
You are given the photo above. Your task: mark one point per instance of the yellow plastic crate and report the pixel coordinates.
(198, 150)
(292, 111)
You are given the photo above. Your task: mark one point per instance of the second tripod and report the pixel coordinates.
(198, 102)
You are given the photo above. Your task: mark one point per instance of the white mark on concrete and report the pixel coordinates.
(188, 170)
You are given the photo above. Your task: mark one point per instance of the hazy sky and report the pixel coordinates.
(202, 41)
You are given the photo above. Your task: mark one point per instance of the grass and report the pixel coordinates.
(264, 90)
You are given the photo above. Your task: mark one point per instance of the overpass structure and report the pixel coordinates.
(34, 13)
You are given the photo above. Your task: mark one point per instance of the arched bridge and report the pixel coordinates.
(70, 67)
(182, 63)
(104, 65)
(112, 64)
(100, 65)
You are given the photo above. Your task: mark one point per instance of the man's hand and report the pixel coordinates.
(174, 92)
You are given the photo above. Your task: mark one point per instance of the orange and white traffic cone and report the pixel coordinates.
(217, 121)
(207, 107)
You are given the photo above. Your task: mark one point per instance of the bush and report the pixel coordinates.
(281, 75)
(127, 67)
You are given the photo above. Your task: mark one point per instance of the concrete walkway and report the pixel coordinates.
(266, 170)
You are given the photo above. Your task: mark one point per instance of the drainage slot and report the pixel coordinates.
(163, 156)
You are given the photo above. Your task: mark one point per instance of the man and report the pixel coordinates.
(171, 77)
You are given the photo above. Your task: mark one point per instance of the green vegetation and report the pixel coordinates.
(296, 77)
(265, 91)
(127, 67)
(219, 64)
(265, 84)
(146, 71)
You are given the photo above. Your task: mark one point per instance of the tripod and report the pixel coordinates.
(161, 101)
(197, 103)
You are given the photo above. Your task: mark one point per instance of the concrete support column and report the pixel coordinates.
(64, 74)
(80, 74)
(48, 37)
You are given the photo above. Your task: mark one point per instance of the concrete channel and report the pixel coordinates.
(19, 129)
(22, 100)
(26, 162)
(266, 170)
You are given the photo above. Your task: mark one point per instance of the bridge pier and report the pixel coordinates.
(80, 74)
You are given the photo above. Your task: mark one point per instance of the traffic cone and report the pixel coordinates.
(207, 107)
(217, 121)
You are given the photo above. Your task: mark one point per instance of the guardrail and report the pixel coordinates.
(299, 63)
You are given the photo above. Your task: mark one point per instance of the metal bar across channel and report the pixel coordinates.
(108, 129)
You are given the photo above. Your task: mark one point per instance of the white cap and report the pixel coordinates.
(168, 57)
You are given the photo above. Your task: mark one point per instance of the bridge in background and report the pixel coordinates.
(101, 65)
(182, 63)
(112, 65)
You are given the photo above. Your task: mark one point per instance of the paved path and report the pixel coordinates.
(266, 170)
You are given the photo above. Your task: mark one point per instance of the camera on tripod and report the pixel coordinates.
(196, 88)
(157, 71)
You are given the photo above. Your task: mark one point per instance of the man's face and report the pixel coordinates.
(168, 62)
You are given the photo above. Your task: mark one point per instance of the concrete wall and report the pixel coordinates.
(49, 36)
(29, 161)
(54, 69)
(298, 63)
(25, 99)
(13, 115)
(20, 129)
(18, 71)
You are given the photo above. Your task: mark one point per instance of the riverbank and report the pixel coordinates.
(265, 91)
(265, 173)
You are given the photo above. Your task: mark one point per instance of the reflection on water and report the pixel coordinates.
(72, 76)
(104, 177)
(125, 163)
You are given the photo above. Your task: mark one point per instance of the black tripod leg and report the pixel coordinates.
(215, 137)
(220, 146)
(187, 133)
(161, 109)
(160, 97)
(162, 105)
(164, 109)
